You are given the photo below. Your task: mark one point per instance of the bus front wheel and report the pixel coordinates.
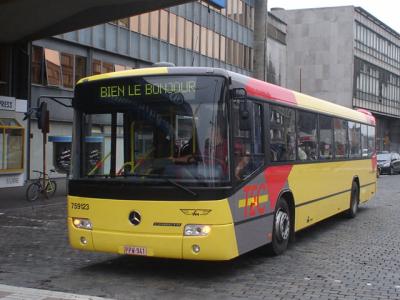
(281, 227)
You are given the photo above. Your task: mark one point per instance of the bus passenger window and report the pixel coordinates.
(282, 134)
(248, 147)
(340, 132)
(325, 137)
(307, 136)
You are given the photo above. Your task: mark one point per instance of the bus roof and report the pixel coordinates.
(254, 88)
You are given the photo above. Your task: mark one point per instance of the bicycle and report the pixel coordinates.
(36, 187)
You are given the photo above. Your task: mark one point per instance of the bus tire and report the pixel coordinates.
(281, 232)
(354, 200)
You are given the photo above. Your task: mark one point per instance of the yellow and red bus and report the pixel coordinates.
(207, 164)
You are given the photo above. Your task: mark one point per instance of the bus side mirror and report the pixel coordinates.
(244, 116)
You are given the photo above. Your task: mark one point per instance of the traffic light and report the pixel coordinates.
(42, 115)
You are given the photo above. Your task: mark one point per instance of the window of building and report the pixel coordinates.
(67, 63)
(164, 25)
(216, 45)
(134, 23)
(37, 65)
(172, 29)
(325, 137)
(282, 133)
(203, 41)
(154, 24)
(12, 137)
(188, 34)
(123, 22)
(53, 67)
(144, 23)
(80, 68)
(180, 32)
(196, 37)
(107, 67)
(340, 133)
(210, 38)
(222, 48)
(96, 67)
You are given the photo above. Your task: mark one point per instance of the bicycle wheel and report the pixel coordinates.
(51, 188)
(33, 191)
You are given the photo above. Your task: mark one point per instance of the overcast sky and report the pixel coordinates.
(386, 11)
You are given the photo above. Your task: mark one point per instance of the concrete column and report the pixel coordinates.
(260, 39)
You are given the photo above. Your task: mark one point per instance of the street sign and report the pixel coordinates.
(7, 103)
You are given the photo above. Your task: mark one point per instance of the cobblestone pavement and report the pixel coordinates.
(337, 259)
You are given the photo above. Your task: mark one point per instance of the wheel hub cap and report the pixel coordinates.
(282, 225)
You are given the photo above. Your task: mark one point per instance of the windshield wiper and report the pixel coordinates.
(180, 186)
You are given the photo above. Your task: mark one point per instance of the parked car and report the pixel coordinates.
(388, 162)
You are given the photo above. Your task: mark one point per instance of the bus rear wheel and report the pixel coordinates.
(354, 200)
(281, 227)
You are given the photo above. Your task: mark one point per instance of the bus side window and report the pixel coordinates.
(307, 136)
(282, 134)
(248, 147)
(325, 137)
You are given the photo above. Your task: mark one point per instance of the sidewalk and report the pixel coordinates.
(11, 198)
(8, 292)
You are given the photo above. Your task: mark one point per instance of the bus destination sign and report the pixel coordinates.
(147, 89)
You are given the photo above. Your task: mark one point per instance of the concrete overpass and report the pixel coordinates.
(27, 20)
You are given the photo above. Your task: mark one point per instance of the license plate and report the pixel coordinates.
(132, 250)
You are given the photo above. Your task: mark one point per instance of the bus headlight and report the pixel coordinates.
(197, 230)
(82, 223)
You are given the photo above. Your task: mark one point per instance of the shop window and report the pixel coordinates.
(80, 68)
(37, 65)
(67, 63)
(53, 67)
(12, 136)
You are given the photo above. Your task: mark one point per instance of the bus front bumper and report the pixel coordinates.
(219, 244)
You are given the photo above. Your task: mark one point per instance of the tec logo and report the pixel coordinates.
(255, 200)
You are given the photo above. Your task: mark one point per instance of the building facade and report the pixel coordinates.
(347, 56)
(191, 34)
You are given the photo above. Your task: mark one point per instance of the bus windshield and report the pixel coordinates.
(156, 128)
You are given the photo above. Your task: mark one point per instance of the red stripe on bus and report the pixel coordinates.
(276, 178)
(258, 88)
